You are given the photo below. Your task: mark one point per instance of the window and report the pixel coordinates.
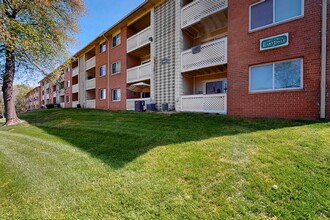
(268, 12)
(116, 95)
(216, 87)
(116, 67)
(68, 84)
(277, 76)
(103, 70)
(68, 99)
(68, 69)
(103, 94)
(116, 40)
(102, 47)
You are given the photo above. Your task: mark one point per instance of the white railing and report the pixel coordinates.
(130, 103)
(62, 92)
(216, 103)
(139, 73)
(212, 53)
(75, 71)
(75, 88)
(90, 84)
(139, 40)
(90, 63)
(90, 103)
(199, 9)
(74, 104)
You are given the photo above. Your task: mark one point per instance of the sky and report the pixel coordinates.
(100, 15)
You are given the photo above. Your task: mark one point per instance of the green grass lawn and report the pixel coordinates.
(90, 164)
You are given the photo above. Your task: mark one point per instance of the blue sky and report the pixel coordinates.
(100, 15)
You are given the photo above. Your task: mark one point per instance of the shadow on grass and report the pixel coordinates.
(118, 138)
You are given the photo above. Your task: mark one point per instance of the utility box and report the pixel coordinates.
(151, 107)
(165, 107)
(139, 106)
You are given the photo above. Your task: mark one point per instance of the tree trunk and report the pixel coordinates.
(8, 89)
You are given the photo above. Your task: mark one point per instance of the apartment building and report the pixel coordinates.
(246, 58)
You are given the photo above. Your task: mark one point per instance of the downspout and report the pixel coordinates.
(108, 67)
(324, 60)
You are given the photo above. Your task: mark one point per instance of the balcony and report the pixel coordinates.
(130, 103)
(75, 104)
(90, 103)
(90, 84)
(90, 63)
(62, 92)
(212, 53)
(139, 40)
(75, 72)
(199, 9)
(75, 88)
(139, 73)
(216, 103)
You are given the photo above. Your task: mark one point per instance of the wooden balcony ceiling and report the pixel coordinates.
(209, 24)
(141, 52)
(207, 71)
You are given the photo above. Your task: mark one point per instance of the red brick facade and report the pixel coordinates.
(243, 52)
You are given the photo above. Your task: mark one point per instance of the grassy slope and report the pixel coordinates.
(97, 164)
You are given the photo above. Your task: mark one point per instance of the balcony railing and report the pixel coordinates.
(90, 84)
(90, 63)
(216, 103)
(62, 92)
(212, 53)
(139, 40)
(139, 73)
(90, 103)
(74, 104)
(199, 9)
(75, 71)
(130, 103)
(75, 88)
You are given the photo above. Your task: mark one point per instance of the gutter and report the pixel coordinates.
(108, 68)
(324, 60)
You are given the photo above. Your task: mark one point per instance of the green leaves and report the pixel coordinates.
(38, 31)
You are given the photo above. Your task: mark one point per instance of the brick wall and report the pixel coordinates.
(244, 51)
(118, 81)
(101, 82)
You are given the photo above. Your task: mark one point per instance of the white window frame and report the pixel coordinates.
(67, 99)
(105, 70)
(117, 43)
(102, 47)
(212, 80)
(274, 23)
(68, 69)
(113, 95)
(283, 89)
(68, 84)
(119, 67)
(103, 92)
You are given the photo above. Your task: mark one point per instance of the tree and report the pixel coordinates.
(20, 92)
(34, 35)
